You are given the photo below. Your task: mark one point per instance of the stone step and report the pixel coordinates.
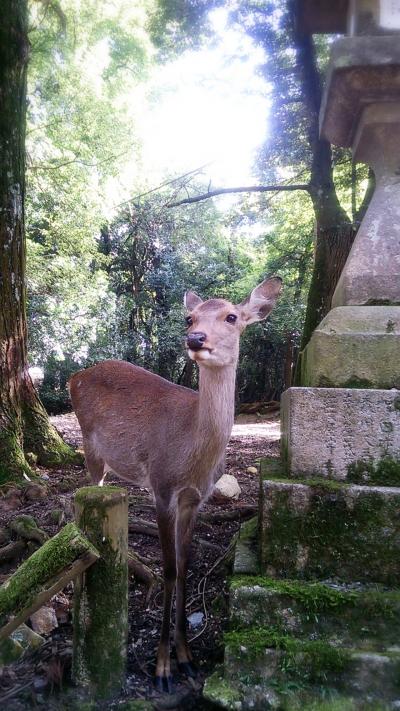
(236, 695)
(347, 616)
(322, 529)
(279, 662)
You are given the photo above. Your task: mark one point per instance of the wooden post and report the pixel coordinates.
(101, 594)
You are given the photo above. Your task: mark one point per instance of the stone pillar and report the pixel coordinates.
(356, 348)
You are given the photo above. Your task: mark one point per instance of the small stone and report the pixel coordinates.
(56, 516)
(226, 487)
(196, 619)
(252, 470)
(35, 492)
(10, 651)
(26, 637)
(61, 606)
(11, 501)
(44, 620)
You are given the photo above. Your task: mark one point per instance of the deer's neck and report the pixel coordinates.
(216, 409)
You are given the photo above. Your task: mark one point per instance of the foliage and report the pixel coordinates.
(80, 137)
(101, 287)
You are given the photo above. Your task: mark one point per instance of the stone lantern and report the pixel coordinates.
(352, 362)
(324, 607)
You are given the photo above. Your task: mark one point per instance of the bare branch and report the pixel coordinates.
(247, 189)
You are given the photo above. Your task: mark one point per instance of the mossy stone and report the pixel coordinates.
(366, 619)
(310, 531)
(10, 651)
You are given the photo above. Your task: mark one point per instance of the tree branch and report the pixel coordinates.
(247, 189)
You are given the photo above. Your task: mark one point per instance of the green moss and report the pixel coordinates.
(314, 597)
(135, 705)
(22, 587)
(385, 472)
(358, 383)
(27, 528)
(334, 704)
(221, 691)
(41, 438)
(12, 459)
(312, 661)
(101, 603)
(338, 533)
(10, 651)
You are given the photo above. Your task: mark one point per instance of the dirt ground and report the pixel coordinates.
(36, 680)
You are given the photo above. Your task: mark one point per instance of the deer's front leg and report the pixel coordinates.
(166, 527)
(188, 504)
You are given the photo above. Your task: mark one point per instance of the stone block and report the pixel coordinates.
(355, 347)
(346, 616)
(323, 530)
(279, 661)
(330, 432)
(246, 549)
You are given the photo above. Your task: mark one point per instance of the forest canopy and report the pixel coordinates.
(109, 258)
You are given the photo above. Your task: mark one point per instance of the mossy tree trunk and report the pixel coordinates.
(24, 424)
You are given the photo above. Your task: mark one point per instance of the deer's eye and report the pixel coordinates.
(189, 321)
(231, 318)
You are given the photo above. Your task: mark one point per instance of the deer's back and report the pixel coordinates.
(134, 420)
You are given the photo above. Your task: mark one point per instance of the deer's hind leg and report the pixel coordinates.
(96, 465)
(189, 500)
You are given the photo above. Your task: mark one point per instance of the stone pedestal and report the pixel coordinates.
(334, 432)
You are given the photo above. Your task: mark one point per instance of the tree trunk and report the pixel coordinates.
(23, 421)
(335, 232)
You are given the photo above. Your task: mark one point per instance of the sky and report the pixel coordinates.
(207, 107)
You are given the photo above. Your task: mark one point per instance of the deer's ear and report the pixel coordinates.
(261, 301)
(191, 300)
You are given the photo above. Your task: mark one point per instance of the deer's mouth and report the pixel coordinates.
(202, 353)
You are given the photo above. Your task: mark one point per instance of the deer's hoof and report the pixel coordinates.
(188, 669)
(164, 684)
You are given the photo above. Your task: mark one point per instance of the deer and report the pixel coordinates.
(156, 434)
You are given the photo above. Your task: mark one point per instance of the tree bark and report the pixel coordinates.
(23, 421)
(335, 232)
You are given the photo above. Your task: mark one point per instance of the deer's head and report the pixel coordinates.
(214, 326)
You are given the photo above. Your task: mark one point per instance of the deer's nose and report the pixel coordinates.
(195, 340)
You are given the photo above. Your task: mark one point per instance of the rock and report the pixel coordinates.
(27, 638)
(4, 535)
(27, 528)
(61, 606)
(35, 491)
(56, 517)
(226, 487)
(44, 620)
(252, 470)
(10, 651)
(11, 500)
(196, 619)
